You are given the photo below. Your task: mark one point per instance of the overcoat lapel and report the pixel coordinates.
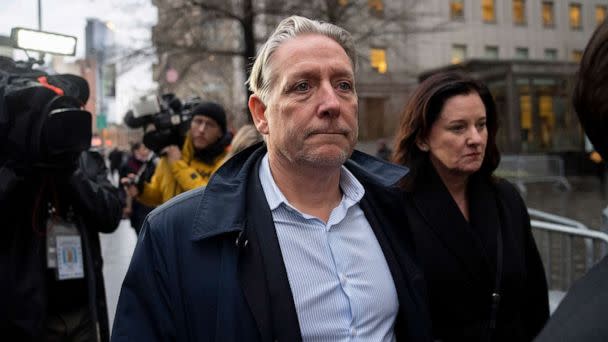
(441, 213)
(263, 275)
(412, 309)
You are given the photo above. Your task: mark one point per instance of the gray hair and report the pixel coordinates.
(261, 79)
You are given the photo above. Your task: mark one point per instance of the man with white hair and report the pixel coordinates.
(297, 239)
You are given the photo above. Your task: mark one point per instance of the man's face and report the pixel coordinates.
(141, 153)
(204, 131)
(310, 117)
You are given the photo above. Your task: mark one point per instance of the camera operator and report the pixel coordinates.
(54, 200)
(178, 170)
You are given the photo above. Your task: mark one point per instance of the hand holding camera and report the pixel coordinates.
(130, 184)
(172, 152)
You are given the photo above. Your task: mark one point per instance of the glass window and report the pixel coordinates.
(577, 55)
(491, 52)
(519, 12)
(600, 14)
(487, 11)
(378, 60)
(457, 9)
(521, 53)
(551, 54)
(547, 123)
(547, 14)
(575, 14)
(459, 53)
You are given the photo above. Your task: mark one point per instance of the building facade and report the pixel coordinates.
(527, 52)
(542, 39)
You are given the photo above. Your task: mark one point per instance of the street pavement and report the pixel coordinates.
(584, 202)
(116, 249)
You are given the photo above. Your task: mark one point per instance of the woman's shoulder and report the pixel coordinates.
(508, 193)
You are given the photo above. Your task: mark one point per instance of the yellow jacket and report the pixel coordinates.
(172, 178)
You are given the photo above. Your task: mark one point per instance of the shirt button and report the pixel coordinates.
(353, 332)
(342, 279)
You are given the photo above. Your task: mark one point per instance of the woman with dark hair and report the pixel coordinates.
(471, 230)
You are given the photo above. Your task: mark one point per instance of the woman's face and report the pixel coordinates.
(457, 140)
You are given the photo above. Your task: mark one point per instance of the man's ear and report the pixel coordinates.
(258, 113)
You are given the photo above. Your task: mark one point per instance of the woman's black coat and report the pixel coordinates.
(459, 260)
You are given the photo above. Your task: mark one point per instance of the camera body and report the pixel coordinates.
(42, 123)
(165, 120)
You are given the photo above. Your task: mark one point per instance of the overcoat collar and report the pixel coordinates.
(222, 206)
(473, 243)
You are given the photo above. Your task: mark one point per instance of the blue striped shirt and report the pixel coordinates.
(341, 284)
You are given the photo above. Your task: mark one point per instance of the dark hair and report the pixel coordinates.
(135, 146)
(590, 98)
(423, 109)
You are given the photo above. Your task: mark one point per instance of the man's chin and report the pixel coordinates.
(327, 156)
(200, 145)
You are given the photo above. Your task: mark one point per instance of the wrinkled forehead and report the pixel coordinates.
(291, 57)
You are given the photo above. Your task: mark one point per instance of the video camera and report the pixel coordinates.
(42, 124)
(165, 121)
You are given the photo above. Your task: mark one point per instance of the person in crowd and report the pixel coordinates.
(471, 230)
(270, 249)
(581, 316)
(116, 157)
(246, 136)
(141, 163)
(60, 211)
(383, 151)
(202, 153)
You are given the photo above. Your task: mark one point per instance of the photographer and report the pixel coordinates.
(54, 200)
(201, 155)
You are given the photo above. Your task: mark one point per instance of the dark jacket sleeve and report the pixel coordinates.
(8, 183)
(581, 316)
(536, 301)
(144, 310)
(537, 314)
(93, 195)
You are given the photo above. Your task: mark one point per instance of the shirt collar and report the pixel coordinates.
(352, 189)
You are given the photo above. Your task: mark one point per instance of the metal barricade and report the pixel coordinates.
(533, 168)
(567, 252)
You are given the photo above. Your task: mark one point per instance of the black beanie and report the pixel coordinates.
(212, 110)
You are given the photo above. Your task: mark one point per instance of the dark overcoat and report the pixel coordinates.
(581, 316)
(459, 260)
(208, 265)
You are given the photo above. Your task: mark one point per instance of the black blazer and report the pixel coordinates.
(459, 260)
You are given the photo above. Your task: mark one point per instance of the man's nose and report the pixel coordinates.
(329, 101)
(202, 126)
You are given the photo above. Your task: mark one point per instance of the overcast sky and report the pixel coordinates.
(131, 19)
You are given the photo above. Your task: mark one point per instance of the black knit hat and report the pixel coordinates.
(212, 110)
